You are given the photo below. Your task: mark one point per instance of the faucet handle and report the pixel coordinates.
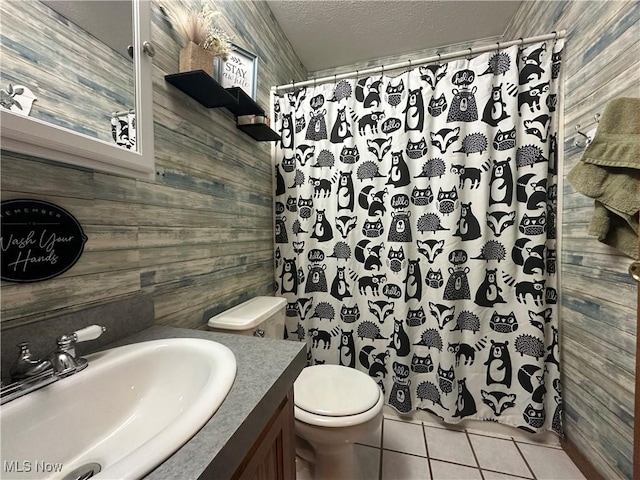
(83, 335)
(89, 333)
(64, 359)
(27, 365)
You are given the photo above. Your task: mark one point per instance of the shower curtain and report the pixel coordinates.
(415, 233)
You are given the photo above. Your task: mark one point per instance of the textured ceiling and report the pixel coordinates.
(327, 34)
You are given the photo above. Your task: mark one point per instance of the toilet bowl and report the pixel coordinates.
(334, 406)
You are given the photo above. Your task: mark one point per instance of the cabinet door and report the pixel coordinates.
(92, 102)
(272, 456)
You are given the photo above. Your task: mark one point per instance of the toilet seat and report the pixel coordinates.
(335, 396)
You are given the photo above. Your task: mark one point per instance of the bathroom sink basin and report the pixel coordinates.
(128, 411)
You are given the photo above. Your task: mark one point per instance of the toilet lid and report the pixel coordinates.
(335, 391)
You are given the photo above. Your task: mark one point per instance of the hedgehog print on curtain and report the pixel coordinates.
(415, 233)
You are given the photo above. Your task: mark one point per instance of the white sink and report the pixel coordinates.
(128, 411)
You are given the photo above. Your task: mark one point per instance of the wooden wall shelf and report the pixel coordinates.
(200, 86)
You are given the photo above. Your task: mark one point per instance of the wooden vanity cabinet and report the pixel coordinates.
(272, 456)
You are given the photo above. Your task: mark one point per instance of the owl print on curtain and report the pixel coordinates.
(416, 233)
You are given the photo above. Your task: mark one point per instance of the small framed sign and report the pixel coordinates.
(39, 240)
(240, 70)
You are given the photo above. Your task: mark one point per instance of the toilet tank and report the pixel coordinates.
(260, 317)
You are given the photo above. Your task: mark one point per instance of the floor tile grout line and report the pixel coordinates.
(502, 473)
(456, 463)
(456, 428)
(426, 446)
(533, 475)
(451, 461)
(405, 453)
(467, 433)
(508, 437)
(475, 457)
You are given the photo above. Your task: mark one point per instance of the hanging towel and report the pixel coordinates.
(609, 172)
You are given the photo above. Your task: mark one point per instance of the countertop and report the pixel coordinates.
(266, 370)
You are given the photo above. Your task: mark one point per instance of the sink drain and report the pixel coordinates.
(84, 472)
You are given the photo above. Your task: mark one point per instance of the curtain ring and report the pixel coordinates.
(335, 78)
(293, 84)
(382, 66)
(555, 38)
(357, 75)
(469, 55)
(498, 43)
(315, 79)
(410, 64)
(439, 58)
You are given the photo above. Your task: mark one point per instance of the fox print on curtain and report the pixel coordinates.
(415, 233)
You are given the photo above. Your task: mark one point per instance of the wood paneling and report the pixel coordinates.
(200, 237)
(598, 310)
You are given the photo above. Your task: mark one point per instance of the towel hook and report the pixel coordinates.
(587, 138)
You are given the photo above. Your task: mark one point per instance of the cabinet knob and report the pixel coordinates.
(148, 48)
(634, 270)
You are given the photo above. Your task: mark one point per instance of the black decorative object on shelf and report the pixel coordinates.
(202, 87)
(39, 240)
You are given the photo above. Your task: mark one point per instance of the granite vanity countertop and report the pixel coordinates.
(266, 370)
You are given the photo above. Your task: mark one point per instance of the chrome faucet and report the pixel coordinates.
(29, 373)
(64, 360)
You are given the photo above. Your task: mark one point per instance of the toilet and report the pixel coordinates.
(334, 406)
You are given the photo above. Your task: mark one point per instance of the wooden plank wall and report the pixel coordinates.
(199, 238)
(598, 311)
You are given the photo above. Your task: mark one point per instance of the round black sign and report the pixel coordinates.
(39, 240)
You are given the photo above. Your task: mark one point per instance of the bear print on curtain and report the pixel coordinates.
(415, 233)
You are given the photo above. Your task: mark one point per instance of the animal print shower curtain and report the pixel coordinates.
(415, 233)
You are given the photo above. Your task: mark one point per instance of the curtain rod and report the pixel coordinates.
(411, 63)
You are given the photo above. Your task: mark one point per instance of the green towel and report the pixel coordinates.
(609, 172)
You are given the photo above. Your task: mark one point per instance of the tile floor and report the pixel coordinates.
(423, 450)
